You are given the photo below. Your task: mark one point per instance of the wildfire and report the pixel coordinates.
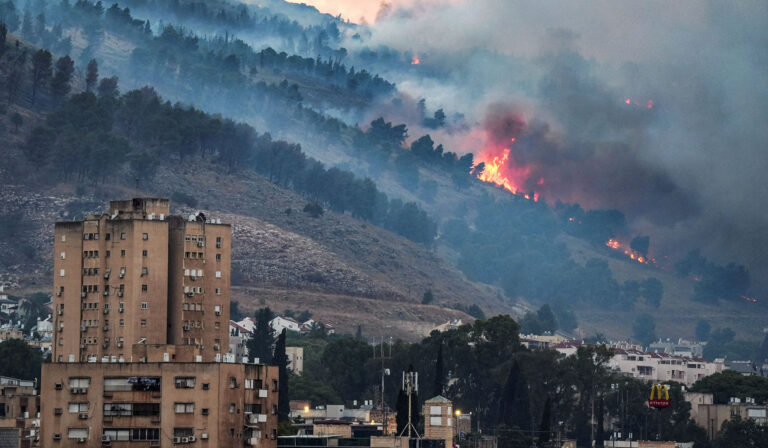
(648, 104)
(415, 60)
(498, 170)
(632, 254)
(749, 299)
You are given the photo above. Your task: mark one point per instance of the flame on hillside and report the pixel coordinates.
(499, 168)
(415, 60)
(630, 253)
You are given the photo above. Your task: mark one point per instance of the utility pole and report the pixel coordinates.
(411, 385)
(384, 372)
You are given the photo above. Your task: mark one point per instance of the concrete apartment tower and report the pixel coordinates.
(141, 334)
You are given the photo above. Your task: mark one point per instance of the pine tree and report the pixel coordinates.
(280, 359)
(359, 333)
(600, 432)
(439, 375)
(92, 75)
(61, 83)
(260, 344)
(41, 70)
(401, 407)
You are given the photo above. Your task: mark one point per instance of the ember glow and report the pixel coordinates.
(648, 104)
(415, 60)
(631, 254)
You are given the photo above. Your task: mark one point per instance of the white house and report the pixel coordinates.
(280, 323)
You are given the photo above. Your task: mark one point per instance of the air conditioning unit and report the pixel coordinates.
(119, 345)
(58, 386)
(218, 313)
(120, 310)
(83, 328)
(106, 275)
(105, 345)
(58, 411)
(81, 440)
(216, 347)
(201, 244)
(82, 416)
(58, 293)
(82, 346)
(106, 310)
(185, 440)
(59, 311)
(106, 293)
(177, 440)
(106, 327)
(190, 294)
(119, 293)
(122, 274)
(253, 419)
(193, 277)
(186, 327)
(204, 436)
(83, 295)
(61, 328)
(192, 439)
(106, 438)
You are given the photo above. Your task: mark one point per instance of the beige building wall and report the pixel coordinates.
(295, 359)
(439, 419)
(219, 404)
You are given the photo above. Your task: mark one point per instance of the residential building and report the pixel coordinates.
(681, 347)
(280, 323)
(439, 419)
(142, 336)
(220, 404)
(139, 275)
(295, 359)
(711, 416)
(651, 366)
(19, 413)
(450, 325)
(544, 341)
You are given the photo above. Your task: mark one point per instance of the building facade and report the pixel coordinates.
(141, 336)
(19, 413)
(138, 275)
(439, 419)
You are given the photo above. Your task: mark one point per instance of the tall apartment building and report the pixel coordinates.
(141, 335)
(138, 275)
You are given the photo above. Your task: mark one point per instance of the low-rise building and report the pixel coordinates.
(280, 323)
(295, 359)
(711, 416)
(19, 413)
(162, 403)
(681, 347)
(439, 419)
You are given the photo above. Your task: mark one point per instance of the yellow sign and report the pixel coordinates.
(659, 396)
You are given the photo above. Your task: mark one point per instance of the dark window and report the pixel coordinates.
(146, 409)
(206, 386)
(107, 236)
(146, 434)
(144, 253)
(143, 288)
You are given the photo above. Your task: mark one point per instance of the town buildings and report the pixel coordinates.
(711, 416)
(141, 336)
(19, 413)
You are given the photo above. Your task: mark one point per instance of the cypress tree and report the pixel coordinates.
(599, 433)
(280, 359)
(545, 426)
(260, 343)
(438, 387)
(401, 407)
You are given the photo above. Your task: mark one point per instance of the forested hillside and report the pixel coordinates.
(96, 95)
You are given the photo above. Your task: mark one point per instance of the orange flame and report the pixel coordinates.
(415, 60)
(500, 170)
(631, 254)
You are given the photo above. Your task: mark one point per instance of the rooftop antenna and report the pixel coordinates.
(410, 385)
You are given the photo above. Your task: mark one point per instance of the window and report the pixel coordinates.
(63, 238)
(143, 322)
(144, 253)
(122, 236)
(79, 383)
(205, 411)
(274, 409)
(144, 271)
(117, 434)
(62, 273)
(77, 433)
(143, 288)
(144, 305)
(183, 432)
(118, 409)
(108, 236)
(436, 410)
(186, 238)
(146, 409)
(63, 255)
(231, 408)
(108, 254)
(184, 382)
(218, 274)
(253, 408)
(122, 252)
(144, 236)
(184, 408)
(274, 385)
(146, 434)
(218, 257)
(218, 291)
(206, 386)
(77, 408)
(218, 242)
(186, 254)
